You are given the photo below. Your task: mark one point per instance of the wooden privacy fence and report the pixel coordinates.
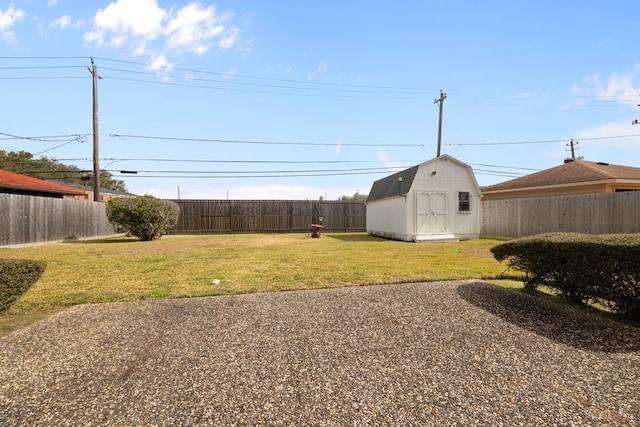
(267, 216)
(589, 213)
(32, 219)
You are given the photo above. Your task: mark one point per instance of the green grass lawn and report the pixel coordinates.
(125, 269)
(122, 269)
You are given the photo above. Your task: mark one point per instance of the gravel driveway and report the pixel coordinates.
(443, 353)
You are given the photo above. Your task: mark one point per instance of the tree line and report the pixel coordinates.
(24, 163)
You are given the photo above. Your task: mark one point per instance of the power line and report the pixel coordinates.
(406, 163)
(265, 175)
(47, 67)
(181, 172)
(272, 92)
(246, 174)
(45, 78)
(45, 57)
(237, 141)
(26, 69)
(505, 167)
(498, 173)
(609, 137)
(112, 159)
(46, 138)
(231, 82)
(266, 78)
(68, 139)
(254, 174)
(546, 141)
(510, 143)
(58, 146)
(82, 138)
(301, 84)
(287, 174)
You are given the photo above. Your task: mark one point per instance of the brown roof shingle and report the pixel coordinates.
(576, 171)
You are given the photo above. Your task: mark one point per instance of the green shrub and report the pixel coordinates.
(16, 277)
(145, 217)
(581, 266)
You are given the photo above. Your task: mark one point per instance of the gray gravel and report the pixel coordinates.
(444, 353)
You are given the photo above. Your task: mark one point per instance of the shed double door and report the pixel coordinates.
(431, 212)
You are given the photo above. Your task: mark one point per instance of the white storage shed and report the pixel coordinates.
(435, 201)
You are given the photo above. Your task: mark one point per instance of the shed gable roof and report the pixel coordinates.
(390, 186)
(574, 172)
(12, 180)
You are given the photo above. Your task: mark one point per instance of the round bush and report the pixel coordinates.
(145, 217)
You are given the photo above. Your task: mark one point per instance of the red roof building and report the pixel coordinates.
(15, 183)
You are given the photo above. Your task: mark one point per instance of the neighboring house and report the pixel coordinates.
(15, 183)
(438, 200)
(106, 194)
(572, 177)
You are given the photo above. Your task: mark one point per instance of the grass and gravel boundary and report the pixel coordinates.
(125, 269)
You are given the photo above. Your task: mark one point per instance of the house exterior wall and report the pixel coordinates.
(594, 187)
(429, 211)
(104, 196)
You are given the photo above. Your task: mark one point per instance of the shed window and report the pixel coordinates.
(464, 201)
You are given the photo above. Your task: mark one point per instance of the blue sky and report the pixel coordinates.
(301, 100)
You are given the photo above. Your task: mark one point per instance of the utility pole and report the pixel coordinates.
(572, 144)
(440, 101)
(96, 157)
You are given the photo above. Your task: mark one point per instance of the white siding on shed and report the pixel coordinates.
(429, 207)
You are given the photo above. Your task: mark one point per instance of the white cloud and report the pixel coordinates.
(144, 28)
(338, 147)
(194, 28)
(618, 130)
(124, 21)
(8, 18)
(247, 47)
(229, 39)
(384, 158)
(65, 21)
(161, 65)
(160, 62)
(9, 37)
(322, 68)
(619, 87)
(52, 3)
(538, 93)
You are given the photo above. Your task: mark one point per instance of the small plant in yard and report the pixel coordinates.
(145, 217)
